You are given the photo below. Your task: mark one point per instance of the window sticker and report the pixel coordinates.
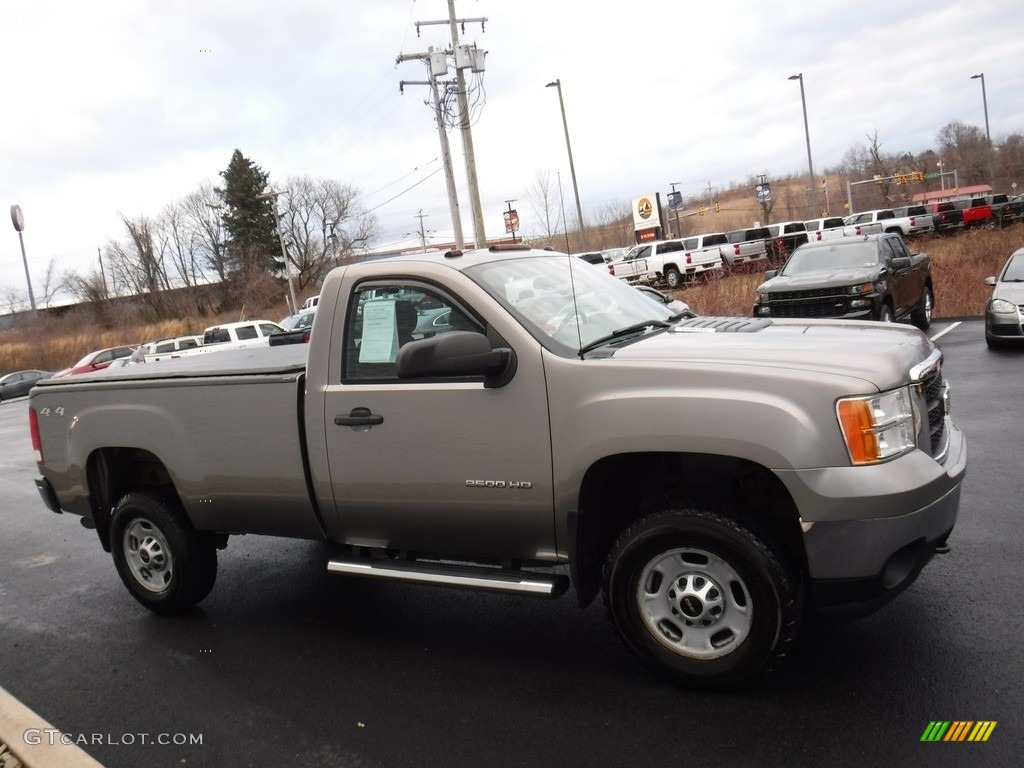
(380, 332)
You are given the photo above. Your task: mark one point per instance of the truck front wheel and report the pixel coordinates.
(166, 564)
(701, 596)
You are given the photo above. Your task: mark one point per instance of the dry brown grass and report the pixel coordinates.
(52, 343)
(960, 264)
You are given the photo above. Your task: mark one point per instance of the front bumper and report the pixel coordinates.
(874, 528)
(1005, 325)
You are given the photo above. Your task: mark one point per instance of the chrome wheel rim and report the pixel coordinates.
(148, 555)
(694, 603)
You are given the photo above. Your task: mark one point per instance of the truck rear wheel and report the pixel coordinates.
(672, 277)
(166, 564)
(701, 596)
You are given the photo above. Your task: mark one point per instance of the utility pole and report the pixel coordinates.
(460, 92)
(423, 233)
(446, 154)
(99, 253)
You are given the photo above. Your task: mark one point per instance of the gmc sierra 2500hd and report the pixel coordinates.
(711, 477)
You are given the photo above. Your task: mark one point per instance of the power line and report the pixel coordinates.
(408, 189)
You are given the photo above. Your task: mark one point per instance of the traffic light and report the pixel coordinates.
(718, 207)
(918, 175)
(701, 210)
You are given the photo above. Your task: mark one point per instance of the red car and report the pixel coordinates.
(96, 361)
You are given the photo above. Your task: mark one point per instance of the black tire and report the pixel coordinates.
(922, 314)
(885, 314)
(672, 277)
(164, 562)
(729, 609)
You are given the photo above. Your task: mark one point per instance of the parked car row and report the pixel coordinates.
(18, 383)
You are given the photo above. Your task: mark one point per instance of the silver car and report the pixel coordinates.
(1004, 312)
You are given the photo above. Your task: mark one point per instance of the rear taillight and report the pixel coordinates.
(736, 249)
(689, 259)
(33, 428)
(611, 270)
(912, 223)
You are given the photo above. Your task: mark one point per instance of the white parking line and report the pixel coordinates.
(944, 331)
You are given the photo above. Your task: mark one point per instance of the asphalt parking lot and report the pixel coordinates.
(286, 665)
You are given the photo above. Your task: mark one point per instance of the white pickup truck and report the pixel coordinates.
(833, 226)
(240, 335)
(908, 224)
(667, 261)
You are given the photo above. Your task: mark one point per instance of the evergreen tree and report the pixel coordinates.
(252, 245)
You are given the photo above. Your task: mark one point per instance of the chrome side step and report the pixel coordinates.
(465, 576)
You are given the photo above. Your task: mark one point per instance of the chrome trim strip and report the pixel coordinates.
(532, 584)
(924, 369)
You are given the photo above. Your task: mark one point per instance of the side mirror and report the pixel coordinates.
(990, 280)
(455, 353)
(901, 262)
(770, 274)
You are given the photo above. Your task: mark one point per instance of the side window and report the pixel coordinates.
(887, 252)
(245, 332)
(267, 329)
(382, 318)
(671, 246)
(899, 248)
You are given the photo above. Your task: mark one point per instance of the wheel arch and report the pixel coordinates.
(113, 472)
(619, 489)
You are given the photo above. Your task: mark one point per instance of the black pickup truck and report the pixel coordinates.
(873, 277)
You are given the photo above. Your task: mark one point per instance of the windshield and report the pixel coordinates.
(1014, 272)
(828, 258)
(564, 304)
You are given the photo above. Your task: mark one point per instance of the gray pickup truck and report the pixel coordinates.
(519, 421)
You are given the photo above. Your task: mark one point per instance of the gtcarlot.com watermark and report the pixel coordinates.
(52, 737)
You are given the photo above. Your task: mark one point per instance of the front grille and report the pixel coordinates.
(934, 387)
(823, 302)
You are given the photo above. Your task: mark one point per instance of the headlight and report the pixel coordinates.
(862, 288)
(877, 427)
(1002, 306)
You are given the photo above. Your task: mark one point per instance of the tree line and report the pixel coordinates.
(229, 235)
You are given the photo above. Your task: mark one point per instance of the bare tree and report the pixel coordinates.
(180, 243)
(88, 288)
(323, 225)
(139, 265)
(12, 299)
(965, 148)
(52, 283)
(202, 209)
(542, 195)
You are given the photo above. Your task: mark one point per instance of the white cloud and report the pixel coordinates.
(126, 105)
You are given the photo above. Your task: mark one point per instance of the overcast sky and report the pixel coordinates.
(123, 106)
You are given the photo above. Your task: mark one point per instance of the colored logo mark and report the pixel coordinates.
(959, 730)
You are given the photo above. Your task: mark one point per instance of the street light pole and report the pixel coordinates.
(572, 168)
(273, 194)
(988, 135)
(807, 133)
(18, 220)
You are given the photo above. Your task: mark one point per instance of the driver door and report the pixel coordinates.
(444, 466)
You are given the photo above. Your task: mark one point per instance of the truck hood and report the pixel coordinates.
(881, 354)
(829, 279)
